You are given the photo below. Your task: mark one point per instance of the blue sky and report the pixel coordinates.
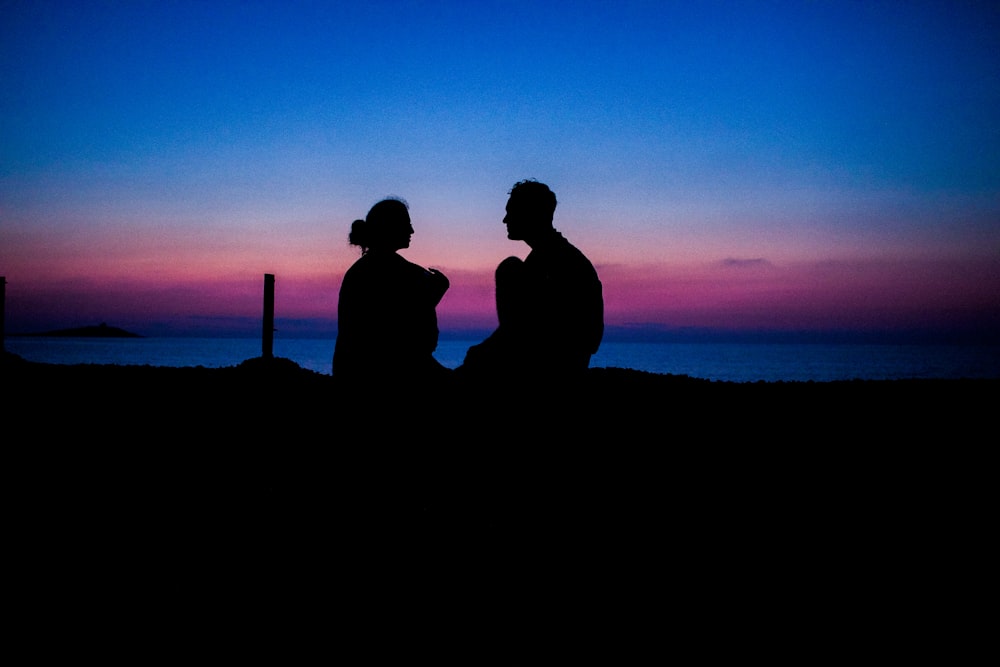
(171, 152)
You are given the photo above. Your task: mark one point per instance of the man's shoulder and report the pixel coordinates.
(569, 253)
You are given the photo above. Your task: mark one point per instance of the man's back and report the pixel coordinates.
(566, 296)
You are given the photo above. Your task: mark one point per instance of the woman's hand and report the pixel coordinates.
(441, 282)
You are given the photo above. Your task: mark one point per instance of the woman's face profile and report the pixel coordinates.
(391, 228)
(399, 231)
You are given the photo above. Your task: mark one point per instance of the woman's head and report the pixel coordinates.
(386, 227)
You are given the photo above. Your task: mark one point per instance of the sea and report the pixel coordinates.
(726, 362)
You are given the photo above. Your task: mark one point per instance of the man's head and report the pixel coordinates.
(530, 210)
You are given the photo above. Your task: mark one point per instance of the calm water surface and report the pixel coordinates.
(739, 362)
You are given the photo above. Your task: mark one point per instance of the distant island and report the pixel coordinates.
(101, 330)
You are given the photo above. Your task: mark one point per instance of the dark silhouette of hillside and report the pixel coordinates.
(265, 480)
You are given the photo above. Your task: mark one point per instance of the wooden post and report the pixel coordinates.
(267, 350)
(3, 309)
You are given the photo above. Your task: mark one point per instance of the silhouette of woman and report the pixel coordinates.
(387, 317)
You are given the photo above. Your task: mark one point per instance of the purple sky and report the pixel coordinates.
(730, 166)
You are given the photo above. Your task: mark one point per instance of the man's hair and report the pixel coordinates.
(537, 195)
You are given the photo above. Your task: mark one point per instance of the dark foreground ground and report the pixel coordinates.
(631, 517)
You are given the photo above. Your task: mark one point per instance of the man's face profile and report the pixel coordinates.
(517, 218)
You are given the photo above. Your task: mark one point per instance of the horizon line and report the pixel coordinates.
(613, 334)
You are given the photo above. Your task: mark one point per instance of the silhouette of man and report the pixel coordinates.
(550, 307)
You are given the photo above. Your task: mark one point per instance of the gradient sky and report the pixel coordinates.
(727, 166)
